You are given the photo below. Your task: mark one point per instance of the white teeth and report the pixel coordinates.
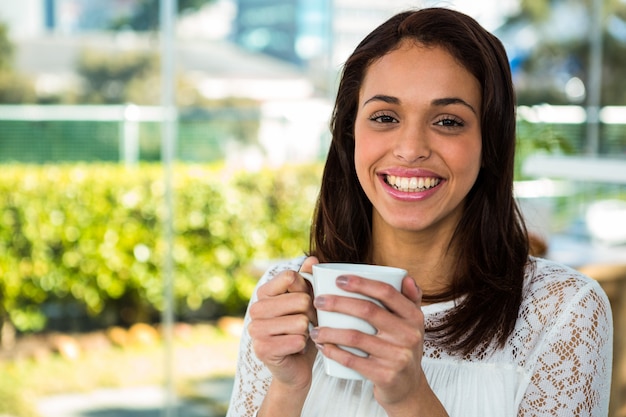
(411, 183)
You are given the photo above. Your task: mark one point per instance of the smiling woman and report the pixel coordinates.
(418, 126)
(419, 176)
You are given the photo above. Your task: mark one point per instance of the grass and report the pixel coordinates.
(200, 352)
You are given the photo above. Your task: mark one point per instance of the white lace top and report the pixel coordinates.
(556, 363)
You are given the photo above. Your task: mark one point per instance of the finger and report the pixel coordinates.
(279, 284)
(381, 370)
(344, 357)
(279, 336)
(403, 326)
(332, 343)
(386, 325)
(328, 336)
(297, 324)
(301, 284)
(393, 353)
(385, 293)
(412, 291)
(278, 347)
(282, 305)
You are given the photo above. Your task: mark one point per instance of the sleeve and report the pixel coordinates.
(572, 375)
(252, 378)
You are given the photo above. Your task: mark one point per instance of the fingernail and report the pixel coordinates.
(314, 333)
(319, 301)
(342, 281)
(319, 347)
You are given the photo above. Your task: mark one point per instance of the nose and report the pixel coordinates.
(412, 145)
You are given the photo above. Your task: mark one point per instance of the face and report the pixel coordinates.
(417, 139)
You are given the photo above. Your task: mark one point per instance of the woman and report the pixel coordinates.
(419, 175)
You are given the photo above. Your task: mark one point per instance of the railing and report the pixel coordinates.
(116, 133)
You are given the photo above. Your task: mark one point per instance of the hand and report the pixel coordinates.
(279, 327)
(395, 353)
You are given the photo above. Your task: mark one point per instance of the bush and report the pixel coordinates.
(91, 235)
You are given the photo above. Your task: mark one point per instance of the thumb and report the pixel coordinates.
(412, 291)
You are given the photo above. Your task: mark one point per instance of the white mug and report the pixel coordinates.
(323, 281)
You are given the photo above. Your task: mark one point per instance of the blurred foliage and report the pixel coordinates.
(91, 234)
(539, 138)
(145, 16)
(118, 77)
(14, 88)
(110, 77)
(613, 80)
(557, 58)
(536, 10)
(571, 58)
(134, 77)
(6, 49)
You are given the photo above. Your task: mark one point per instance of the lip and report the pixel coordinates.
(405, 195)
(408, 172)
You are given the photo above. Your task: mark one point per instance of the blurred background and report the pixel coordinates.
(156, 156)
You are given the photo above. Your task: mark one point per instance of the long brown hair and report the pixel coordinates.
(490, 239)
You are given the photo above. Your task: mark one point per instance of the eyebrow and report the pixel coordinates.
(383, 98)
(453, 100)
(436, 102)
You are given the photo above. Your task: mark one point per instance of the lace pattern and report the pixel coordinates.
(557, 362)
(571, 363)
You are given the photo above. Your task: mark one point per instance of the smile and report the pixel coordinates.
(411, 184)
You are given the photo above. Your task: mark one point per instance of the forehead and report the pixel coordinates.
(417, 69)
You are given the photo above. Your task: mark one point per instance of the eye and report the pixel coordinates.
(449, 121)
(381, 117)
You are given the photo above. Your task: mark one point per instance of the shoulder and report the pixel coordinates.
(557, 296)
(553, 282)
(563, 340)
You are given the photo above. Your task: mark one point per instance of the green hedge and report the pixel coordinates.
(92, 235)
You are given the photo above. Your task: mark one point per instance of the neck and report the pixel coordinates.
(424, 255)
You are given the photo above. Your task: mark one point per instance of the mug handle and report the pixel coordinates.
(308, 277)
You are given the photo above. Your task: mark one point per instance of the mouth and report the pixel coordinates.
(411, 184)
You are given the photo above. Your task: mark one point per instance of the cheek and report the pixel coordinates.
(360, 161)
(369, 145)
(366, 153)
(360, 149)
(468, 161)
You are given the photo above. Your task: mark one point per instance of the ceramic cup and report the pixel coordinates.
(323, 281)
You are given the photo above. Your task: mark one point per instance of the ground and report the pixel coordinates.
(71, 370)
